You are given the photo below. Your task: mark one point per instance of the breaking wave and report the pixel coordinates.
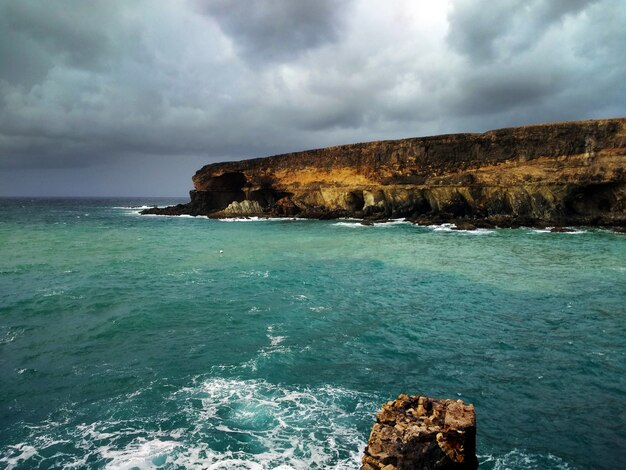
(217, 423)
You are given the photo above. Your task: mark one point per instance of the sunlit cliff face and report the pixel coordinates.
(554, 172)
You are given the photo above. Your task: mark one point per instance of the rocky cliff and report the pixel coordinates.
(561, 173)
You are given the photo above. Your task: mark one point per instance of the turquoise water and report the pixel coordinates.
(161, 342)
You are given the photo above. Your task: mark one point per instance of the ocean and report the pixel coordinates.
(131, 341)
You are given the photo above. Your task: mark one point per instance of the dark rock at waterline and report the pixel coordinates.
(179, 209)
(464, 225)
(421, 433)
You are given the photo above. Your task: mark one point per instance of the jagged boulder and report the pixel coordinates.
(246, 207)
(421, 433)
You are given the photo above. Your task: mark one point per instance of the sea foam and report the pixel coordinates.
(230, 423)
(518, 458)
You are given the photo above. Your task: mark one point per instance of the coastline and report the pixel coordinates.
(456, 224)
(557, 175)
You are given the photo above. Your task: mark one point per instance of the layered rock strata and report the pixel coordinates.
(420, 433)
(562, 173)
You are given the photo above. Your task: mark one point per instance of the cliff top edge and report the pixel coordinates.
(429, 138)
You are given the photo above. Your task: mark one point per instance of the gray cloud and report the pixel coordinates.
(38, 36)
(158, 89)
(568, 67)
(277, 30)
(485, 30)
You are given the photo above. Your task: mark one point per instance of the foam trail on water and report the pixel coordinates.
(141, 453)
(518, 458)
(478, 231)
(258, 219)
(350, 224)
(392, 222)
(18, 454)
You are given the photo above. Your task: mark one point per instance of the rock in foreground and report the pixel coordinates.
(421, 433)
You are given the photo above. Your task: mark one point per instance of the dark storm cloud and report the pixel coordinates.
(503, 91)
(546, 60)
(85, 81)
(106, 87)
(36, 36)
(277, 30)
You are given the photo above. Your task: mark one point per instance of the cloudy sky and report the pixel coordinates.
(118, 97)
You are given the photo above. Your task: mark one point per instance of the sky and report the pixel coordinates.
(130, 98)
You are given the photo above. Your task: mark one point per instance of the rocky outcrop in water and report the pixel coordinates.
(420, 433)
(562, 173)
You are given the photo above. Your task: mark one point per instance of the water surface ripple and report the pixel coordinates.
(163, 342)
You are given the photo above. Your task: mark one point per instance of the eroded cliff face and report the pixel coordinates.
(563, 173)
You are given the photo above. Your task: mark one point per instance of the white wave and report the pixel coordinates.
(518, 459)
(141, 453)
(478, 231)
(281, 421)
(258, 219)
(450, 227)
(9, 335)
(442, 227)
(356, 223)
(275, 347)
(233, 424)
(20, 454)
(570, 230)
(350, 224)
(135, 208)
(181, 216)
(392, 222)
(146, 215)
(51, 292)
(276, 340)
(263, 274)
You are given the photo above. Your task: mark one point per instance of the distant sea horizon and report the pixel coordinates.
(95, 197)
(131, 341)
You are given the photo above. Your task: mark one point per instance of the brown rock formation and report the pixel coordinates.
(563, 173)
(420, 433)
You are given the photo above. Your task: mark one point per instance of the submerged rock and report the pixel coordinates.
(421, 433)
